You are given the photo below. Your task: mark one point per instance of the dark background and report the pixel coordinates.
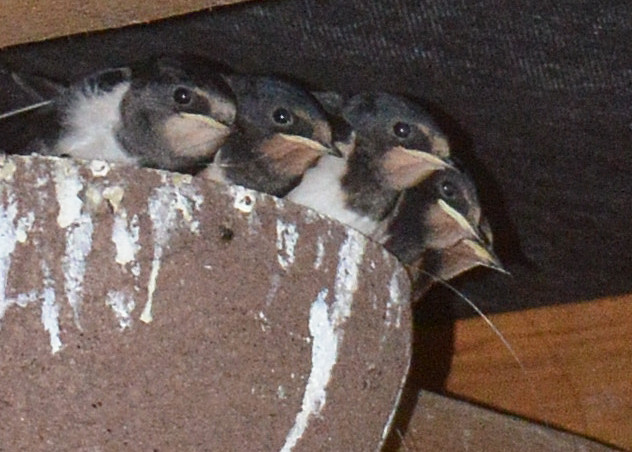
(537, 99)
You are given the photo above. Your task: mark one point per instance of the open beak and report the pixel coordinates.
(405, 168)
(462, 221)
(485, 256)
(479, 241)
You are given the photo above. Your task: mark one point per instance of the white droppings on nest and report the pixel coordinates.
(396, 294)
(281, 393)
(395, 302)
(78, 246)
(7, 169)
(79, 231)
(12, 232)
(67, 187)
(93, 197)
(122, 304)
(50, 311)
(49, 307)
(25, 224)
(320, 253)
(324, 356)
(99, 168)
(163, 216)
(8, 240)
(244, 199)
(125, 235)
(41, 181)
(187, 200)
(264, 322)
(50, 319)
(114, 196)
(278, 202)
(287, 236)
(326, 328)
(346, 282)
(398, 302)
(25, 299)
(180, 179)
(164, 204)
(312, 216)
(136, 273)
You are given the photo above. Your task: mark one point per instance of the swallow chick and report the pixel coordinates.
(280, 132)
(438, 231)
(392, 145)
(168, 113)
(438, 227)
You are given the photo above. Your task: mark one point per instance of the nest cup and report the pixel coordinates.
(148, 310)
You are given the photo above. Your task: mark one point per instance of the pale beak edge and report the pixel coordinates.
(308, 142)
(485, 256)
(215, 124)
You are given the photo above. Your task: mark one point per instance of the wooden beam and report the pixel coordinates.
(35, 20)
(577, 361)
(443, 424)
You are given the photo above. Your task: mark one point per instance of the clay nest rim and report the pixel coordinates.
(274, 333)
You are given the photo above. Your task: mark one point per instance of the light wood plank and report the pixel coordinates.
(577, 366)
(35, 20)
(443, 424)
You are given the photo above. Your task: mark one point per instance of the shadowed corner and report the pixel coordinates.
(435, 312)
(507, 244)
(432, 350)
(19, 131)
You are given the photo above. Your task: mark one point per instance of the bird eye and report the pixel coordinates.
(447, 190)
(182, 96)
(282, 116)
(401, 130)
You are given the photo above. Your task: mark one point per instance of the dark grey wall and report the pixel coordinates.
(536, 95)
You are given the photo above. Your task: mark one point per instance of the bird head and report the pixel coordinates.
(284, 124)
(397, 136)
(439, 222)
(280, 132)
(176, 113)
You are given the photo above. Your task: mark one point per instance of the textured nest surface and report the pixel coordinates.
(144, 310)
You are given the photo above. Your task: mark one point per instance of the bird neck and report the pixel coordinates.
(243, 165)
(365, 187)
(423, 273)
